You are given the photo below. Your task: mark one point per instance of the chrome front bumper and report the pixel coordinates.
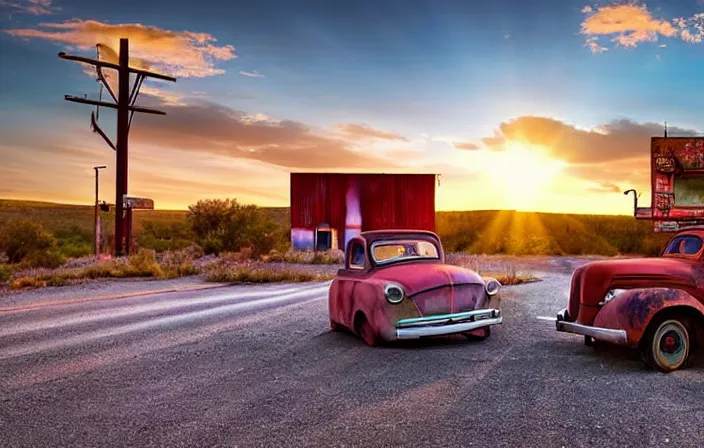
(444, 324)
(603, 334)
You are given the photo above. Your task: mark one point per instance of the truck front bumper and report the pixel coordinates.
(445, 324)
(603, 334)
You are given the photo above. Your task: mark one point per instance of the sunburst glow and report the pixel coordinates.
(522, 175)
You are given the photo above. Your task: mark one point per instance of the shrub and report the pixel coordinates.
(162, 236)
(26, 240)
(228, 226)
(74, 242)
(5, 272)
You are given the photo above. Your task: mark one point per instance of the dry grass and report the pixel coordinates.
(143, 264)
(488, 266)
(254, 272)
(306, 257)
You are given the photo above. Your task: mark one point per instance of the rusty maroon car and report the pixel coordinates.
(654, 305)
(396, 285)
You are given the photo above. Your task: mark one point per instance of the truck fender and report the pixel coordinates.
(633, 309)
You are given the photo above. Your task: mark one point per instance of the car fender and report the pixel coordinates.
(368, 298)
(632, 310)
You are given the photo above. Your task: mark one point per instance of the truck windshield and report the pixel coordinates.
(388, 251)
(684, 244)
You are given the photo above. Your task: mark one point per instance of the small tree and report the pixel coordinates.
(227, 225)
(23, 239)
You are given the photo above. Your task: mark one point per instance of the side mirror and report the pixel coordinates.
(104, 207)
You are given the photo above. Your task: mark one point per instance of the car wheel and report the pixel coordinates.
(667, 345)
(478, 337)
(367, 333)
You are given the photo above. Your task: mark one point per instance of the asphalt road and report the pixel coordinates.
(257, 366)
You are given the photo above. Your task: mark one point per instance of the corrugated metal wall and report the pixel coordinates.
(388, 201)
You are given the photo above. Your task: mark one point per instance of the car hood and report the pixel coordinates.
(600, 276)
(417, 277)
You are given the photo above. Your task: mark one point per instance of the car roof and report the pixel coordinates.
(375, 235)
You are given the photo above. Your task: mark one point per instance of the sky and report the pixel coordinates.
(546, 105)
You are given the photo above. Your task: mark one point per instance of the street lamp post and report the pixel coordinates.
(96, 243)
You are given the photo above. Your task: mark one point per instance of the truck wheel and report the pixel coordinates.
(667, 344)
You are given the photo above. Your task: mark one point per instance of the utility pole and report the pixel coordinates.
(96, 242)
(124, 103)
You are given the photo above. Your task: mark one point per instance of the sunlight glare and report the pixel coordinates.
(522, 174)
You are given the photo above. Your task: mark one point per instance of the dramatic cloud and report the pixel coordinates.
(359, 131)
(466, 145)
(630, 24)
(252, 74)
(35, 7)
(211, 128)
(183, 54)
(616, 140)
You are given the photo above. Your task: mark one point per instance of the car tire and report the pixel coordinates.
(366, 332)
(667, 343)
(474, 337)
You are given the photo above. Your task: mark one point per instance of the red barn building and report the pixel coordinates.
(327, 209)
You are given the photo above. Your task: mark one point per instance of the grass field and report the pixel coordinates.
(488, 232)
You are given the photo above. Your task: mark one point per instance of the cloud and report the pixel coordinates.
(691, 29)
(252, 74)
(183, 54)
(34, 7)
(616, 140)
(614, 153)
(606, 187)
(466, 145)
(360, 131)
(205, 127)
(631, 24)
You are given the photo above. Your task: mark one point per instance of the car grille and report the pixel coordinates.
(450, 299)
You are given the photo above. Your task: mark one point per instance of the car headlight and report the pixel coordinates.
(394, 293)
(611, 294)
(492, 287)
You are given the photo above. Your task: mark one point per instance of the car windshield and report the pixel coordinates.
(684, 245)
(388, 251)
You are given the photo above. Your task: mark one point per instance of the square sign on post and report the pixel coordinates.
(134, 203)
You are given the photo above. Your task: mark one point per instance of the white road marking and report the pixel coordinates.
(552, 319)
(36, 347)
(135, 309)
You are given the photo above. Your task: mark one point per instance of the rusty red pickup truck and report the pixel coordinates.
(655, 305)
(396, 285)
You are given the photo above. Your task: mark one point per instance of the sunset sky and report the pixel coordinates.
(544, 105)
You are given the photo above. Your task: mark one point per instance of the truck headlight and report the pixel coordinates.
(492, 287)
(394, 293)
(611, 294)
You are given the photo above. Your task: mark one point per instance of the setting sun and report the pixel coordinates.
(522, 174)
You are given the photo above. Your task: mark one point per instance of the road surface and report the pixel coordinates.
(256, 366)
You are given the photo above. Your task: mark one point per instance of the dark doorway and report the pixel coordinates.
(323, 237)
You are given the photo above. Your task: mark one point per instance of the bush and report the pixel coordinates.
(24, 240)
(5, 272)
(228, 226)
(74, 242)
(161, 236)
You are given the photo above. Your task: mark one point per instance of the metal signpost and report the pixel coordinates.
(130, 203)
(124, 103)
(96, 245)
